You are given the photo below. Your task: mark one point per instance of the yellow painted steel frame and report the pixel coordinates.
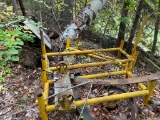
(127, 63)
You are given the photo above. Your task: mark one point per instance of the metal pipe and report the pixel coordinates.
(69, 67)
(142, 86)
(129, 73)
(51, 82)
(44, 62)
(139, 34)
(103, 75)
(101, 58)
(104, 99)
(121, 47)
(68, 43)
(46, 92)
(82, 52)
(124, 53)
(150, 89)
(97, 55)
(43, 47)
(42, 107)
(44, 77)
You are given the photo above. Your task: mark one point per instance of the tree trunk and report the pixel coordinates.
(22, 7)
(155, 34)
(135, 24)
(122, 26)
(66, 14)
(14, 4)
(83, 19)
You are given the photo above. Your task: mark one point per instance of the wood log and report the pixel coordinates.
(150, 63)
(157, 62)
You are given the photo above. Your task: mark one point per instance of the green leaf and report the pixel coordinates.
(48, 70)
(15, 58)
(17, 39)
(18, 43)
(8, 58)
(12, 51)
(1, 53)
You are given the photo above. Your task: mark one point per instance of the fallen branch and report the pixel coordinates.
(150, 63)
(148, 56)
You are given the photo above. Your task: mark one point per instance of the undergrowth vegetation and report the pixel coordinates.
(12, 38)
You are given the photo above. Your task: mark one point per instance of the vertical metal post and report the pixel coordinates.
(43, 47)
(126, 68)
(68, 43)
(139, 34)
(46, 92)
(121, 47)
(41, 102)
(44, 77)
(150, 89)
(42, 107)
(129, 69)
(44, 62)
(135, 56)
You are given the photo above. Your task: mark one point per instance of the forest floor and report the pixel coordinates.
(19, 92)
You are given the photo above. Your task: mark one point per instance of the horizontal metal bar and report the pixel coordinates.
(100, 57)
(103, 75)
(69, 67)
(104, 99)
(142, 86)
(96, 55)
(123, 52)
(82, 52)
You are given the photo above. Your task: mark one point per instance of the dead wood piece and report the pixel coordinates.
(150, 63)
(65, 99)
(146, 78)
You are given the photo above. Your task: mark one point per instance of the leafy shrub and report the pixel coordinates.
(12, 37)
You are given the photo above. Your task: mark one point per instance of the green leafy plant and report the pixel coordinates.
(11, 42)
(12, 38)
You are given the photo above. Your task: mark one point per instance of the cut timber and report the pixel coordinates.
(146, 78)
(65, 99)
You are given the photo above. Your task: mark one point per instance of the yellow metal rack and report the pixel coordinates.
(127, 63)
